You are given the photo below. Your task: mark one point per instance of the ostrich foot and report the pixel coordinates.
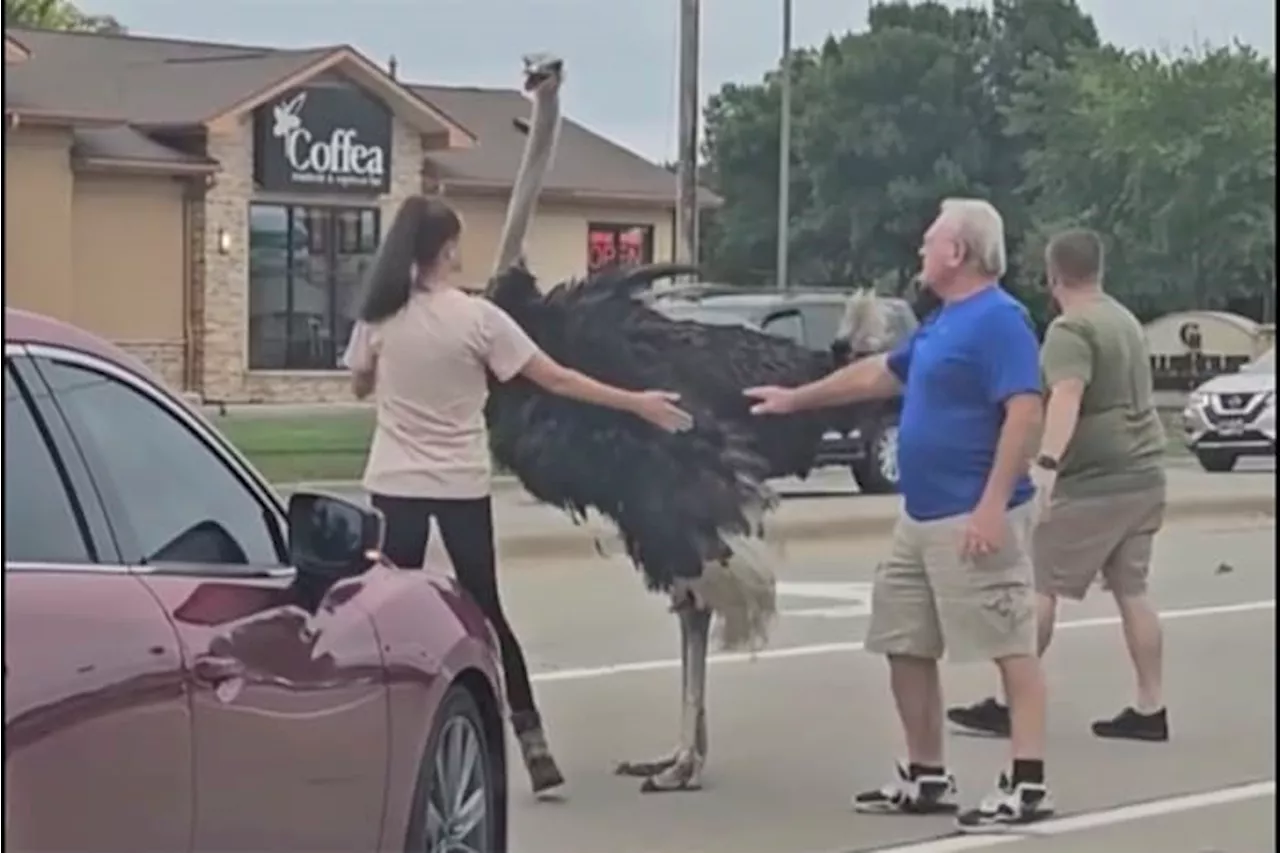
(684, 774)
(645, 769)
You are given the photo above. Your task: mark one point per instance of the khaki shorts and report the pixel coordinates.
(927, 600)
(1111, 535)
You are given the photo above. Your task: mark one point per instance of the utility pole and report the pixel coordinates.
(784, 153)
(687, 170)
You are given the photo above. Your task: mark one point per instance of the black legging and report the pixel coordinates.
(467, 529)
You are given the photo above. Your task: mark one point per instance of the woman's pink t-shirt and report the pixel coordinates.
(429, 364)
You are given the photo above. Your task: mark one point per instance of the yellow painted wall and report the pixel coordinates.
(37, 221)
(557, 241)
(128, 257)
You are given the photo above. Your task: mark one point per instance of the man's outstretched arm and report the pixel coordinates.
(869, 378)
(866, 379)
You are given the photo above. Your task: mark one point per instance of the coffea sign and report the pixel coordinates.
(324, 139)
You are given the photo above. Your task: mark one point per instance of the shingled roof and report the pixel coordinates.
(142, 81)
(587, 166)
(117, 82)
(119, 91)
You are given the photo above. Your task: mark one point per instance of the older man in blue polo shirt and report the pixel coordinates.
(959, 578)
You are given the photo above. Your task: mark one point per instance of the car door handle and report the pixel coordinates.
(215, 670)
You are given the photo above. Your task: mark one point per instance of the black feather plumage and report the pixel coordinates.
(671, 496)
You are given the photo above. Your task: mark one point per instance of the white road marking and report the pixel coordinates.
(855, 598)
(1094, 820)
(610, 670)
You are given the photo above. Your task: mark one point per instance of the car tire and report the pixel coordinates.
(457, 735)
(1217, 461)
(876, 473)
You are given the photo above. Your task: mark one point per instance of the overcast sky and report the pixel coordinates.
(620, 54)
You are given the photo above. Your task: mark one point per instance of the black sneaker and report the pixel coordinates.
(1129, 724)
(986, 716)
(1009, 806)
(923, 795)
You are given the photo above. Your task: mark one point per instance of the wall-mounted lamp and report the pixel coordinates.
(224, 241)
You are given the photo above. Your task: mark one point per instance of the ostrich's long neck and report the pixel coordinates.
(538, 147)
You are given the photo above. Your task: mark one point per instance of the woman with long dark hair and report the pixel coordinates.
(424, 347)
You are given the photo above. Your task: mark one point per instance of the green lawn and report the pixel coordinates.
(333, 446)
(299, 448)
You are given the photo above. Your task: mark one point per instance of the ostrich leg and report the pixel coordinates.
(682, 770)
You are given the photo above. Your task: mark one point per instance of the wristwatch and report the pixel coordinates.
(1046, 462)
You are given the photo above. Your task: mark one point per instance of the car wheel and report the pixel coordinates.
(1217, 460)
(877, 472)
(456, 804)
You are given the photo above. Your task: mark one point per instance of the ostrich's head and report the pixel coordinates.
(864, 329)
(543, 74)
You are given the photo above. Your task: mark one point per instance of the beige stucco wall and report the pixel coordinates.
(226, 276)
(557, 241)
(37, 223)
(129, 292)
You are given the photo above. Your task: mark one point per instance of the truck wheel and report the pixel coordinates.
(877, 472)
(1217, 460)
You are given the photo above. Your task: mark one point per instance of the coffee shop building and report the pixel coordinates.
(212, 208)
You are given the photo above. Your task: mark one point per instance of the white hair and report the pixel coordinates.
(980, 229)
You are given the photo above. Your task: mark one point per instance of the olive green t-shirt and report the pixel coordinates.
(1118, 444)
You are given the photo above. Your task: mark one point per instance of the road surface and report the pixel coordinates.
(809, 722)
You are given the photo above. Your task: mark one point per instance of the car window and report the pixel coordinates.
(790, 326)
(167, 489)
(822, 322)
(41, 524)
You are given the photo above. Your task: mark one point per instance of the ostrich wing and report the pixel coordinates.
(671, 496)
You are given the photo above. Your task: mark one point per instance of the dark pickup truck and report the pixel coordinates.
(864, 436)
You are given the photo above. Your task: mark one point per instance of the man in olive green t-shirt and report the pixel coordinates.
(1099, 475)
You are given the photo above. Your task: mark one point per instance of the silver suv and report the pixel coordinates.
(1233, 415)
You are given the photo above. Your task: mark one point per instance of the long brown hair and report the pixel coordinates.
(420, 231)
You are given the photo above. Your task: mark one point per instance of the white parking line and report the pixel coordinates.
(1094, 820)
(591, 672)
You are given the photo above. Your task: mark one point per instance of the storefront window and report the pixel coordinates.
(305, 269)
(626, 244)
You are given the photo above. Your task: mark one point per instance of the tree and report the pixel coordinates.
(57, 15)
(885, 131)
(891, 121)
(1173, 159)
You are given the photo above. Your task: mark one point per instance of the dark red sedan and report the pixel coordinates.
(191, 665)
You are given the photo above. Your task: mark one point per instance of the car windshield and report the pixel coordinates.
(1266, 363)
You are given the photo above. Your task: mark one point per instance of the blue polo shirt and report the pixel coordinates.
(958, 370)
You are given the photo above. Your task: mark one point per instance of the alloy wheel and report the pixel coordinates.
(458, 803)
(887, 453)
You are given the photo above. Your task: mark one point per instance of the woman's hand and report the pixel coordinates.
(659, 408)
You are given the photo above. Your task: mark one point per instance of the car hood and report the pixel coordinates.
(1239, 383)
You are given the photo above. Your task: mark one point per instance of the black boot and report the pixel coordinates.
(543, 772)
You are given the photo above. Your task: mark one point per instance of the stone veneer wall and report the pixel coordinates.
(224, 357)
(166, 359)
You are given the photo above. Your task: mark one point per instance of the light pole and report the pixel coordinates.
(687, 162)
(784, 152)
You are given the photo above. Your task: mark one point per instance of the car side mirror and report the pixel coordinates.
(332, 538)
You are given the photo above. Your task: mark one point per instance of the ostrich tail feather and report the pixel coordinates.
(742, 591)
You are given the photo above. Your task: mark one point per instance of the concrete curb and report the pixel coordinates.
(579, 544)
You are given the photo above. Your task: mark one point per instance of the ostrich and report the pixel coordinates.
(689, 507)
